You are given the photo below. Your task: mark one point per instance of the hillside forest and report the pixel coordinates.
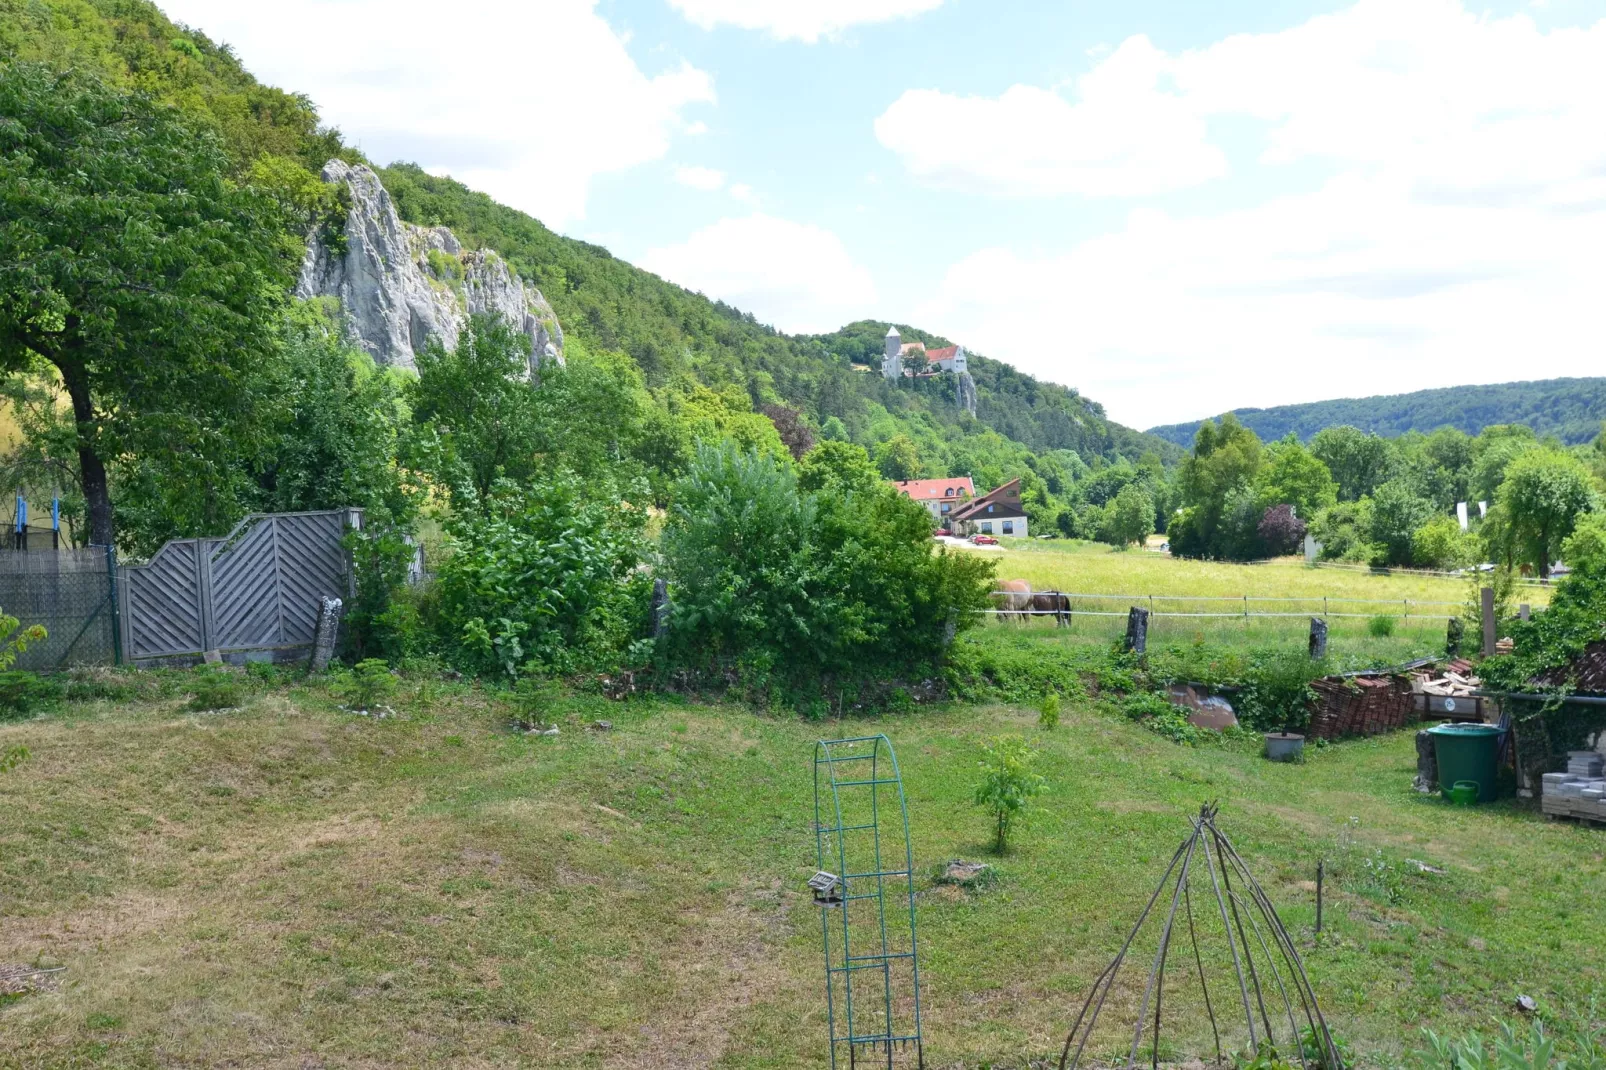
(1568, 409)
(155, 201)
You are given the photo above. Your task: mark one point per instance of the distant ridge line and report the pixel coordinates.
(1572, 409)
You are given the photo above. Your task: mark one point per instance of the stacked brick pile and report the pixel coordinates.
(1360, 706)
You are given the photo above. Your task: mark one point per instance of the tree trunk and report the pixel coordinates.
(97, 495)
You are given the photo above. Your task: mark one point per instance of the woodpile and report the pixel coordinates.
(1361, 706)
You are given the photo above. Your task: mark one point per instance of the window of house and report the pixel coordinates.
(986, 527)
(1009, 527)
(946, 507)
(989, 508)
(949, 493)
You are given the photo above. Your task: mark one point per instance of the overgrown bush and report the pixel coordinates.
(795, 590)
(1380, 626)
(1276, 693)
(544, 578)
(215, 689)
(366, 684)
(21, 693)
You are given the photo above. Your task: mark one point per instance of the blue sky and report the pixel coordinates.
(1175, 207)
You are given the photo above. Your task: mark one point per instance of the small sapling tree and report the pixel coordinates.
(1007, 785)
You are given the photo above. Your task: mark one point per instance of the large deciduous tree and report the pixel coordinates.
(145, 277)
(1544, 493)
(1359, 462)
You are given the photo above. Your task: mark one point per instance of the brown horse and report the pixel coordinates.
(1053, 603)
(1013, 598)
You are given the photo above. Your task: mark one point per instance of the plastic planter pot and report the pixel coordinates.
(1284, 746)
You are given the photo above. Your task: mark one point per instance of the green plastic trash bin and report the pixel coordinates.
(1466, 752)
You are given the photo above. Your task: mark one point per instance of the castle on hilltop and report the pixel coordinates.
(947, 359)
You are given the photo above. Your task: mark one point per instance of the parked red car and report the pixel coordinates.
(984, 540)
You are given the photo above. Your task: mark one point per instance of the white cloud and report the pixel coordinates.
(703, 178)
(527, 102)
(744, 193)
(800, 20)
(1359, 288)
(796, 276)
(1125, 136)
(1455, 239)
(1462, 100)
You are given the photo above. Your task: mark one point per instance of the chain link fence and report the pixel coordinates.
(72, 592)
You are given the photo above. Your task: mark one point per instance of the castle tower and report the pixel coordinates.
(892, 362)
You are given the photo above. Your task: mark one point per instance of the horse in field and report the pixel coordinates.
(1012, 599)
(1053, 603)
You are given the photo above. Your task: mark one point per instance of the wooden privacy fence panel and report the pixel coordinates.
(257, 589)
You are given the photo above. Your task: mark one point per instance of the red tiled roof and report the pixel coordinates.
(946, 353)
(939, 489)
(1587, 673)
(1005, 501)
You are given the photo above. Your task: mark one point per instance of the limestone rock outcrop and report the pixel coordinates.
(400, 285)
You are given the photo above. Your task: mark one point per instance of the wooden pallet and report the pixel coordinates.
(1556, 808)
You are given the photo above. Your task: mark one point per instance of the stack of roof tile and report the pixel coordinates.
(1361, 706)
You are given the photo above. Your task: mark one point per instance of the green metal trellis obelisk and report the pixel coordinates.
(865, 889)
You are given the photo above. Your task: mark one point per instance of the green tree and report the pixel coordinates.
(1494, 449)
(476, 410)
(1345, 531)
(1215, 481)
(1440, 543)
(1295, 476)
(1359, 462)
(898, 458)
(836, 467)
(1397, 512)
(1129, 518)
(148, 279)
(1008, 785)
(1544, 493)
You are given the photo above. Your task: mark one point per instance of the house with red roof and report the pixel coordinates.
(940, 496)
(998, 512)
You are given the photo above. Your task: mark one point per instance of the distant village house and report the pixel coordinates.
(940, 496)
(998, 512)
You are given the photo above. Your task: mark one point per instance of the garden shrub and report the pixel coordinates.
(544, 578)
(1049, 712)
(214, 689)
(1276, 694)
(797, 590)
(21, 693)
(365, 684)
(1380, 626)
(1008, 785)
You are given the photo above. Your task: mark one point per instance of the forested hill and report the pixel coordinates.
(672, 332)
(1570, 409)
(678, 338)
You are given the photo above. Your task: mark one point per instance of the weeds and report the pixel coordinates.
(215, 689)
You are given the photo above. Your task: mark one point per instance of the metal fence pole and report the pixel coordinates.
(117, 615)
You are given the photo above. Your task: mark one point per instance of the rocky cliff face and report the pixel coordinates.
(400, 285)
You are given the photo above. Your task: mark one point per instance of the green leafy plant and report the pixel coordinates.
(22, 692)
(1048, 714)
(1315, 1053)
(12, 757)
(214, 689)
(366, 684)
(1008, 785)
(1380, 626)
(1536, 1049)
(1264, 1057)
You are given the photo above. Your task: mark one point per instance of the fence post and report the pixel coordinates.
(1137, 630)
(1246, 609)
(1318, 638)
(1524, 612)
(116, 605)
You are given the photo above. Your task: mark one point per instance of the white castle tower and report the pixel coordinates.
(892, 362)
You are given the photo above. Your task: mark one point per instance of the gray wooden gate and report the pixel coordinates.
(256, 589)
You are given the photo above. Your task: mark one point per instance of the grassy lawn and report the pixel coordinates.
(291, 886)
